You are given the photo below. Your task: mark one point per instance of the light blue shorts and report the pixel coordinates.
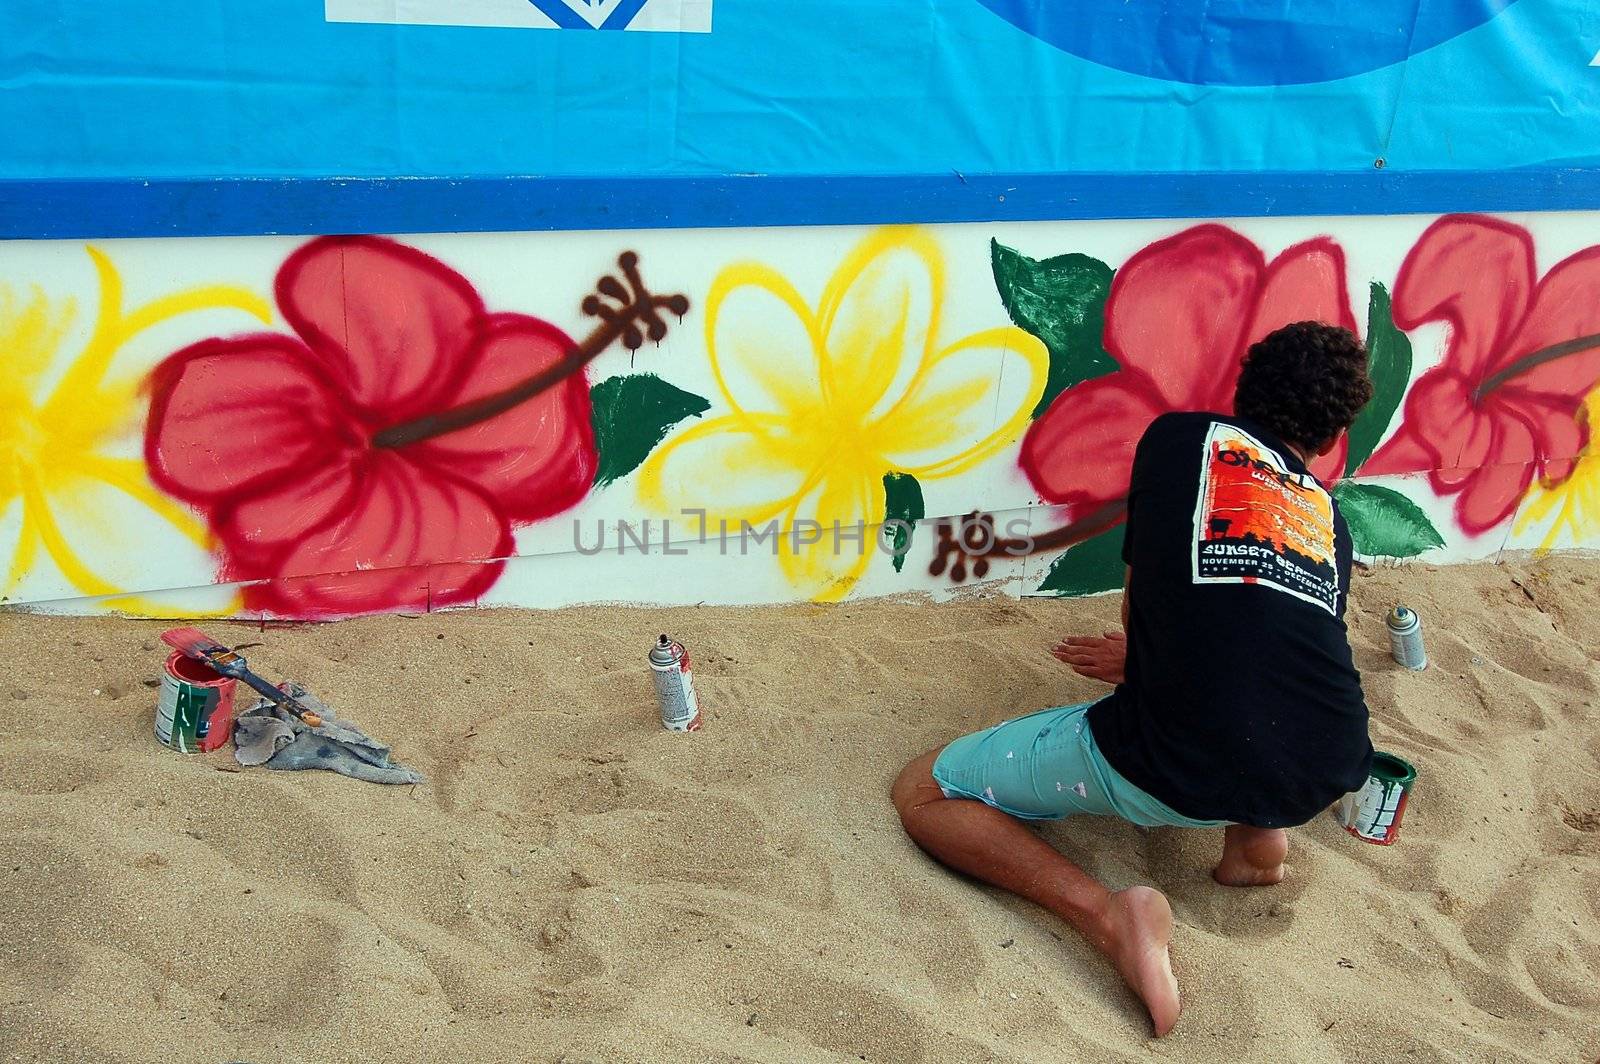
(1046, 766)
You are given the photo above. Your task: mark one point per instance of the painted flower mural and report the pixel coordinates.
(1570, 510)
(66, 487)
(380, 456)
(837, 409)
(1168, 331)
(1501, 409)
(380, 449)
(1177, 321)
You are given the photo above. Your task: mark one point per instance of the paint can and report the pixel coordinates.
(1373, 813)
(669, 666)
(194, 706)
(1405, 638)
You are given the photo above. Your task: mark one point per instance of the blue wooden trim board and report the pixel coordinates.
(249, 206)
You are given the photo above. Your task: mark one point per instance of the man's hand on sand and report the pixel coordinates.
(1095, 656)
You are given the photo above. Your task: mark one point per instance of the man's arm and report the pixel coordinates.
(1095, 656)
(1105, 657)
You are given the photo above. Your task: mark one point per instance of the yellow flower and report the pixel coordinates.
(59, 431)
(826, 401)
(1572, 506)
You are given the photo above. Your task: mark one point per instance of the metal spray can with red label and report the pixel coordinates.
(669, 665)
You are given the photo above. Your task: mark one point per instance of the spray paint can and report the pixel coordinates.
(194, 706)
(669, 666)
(1373, 813)
(1405, 638)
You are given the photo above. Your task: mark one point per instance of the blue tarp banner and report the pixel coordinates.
(303, 88)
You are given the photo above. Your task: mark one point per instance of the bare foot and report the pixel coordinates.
(1241, 873)
(1138, 931)
(1251, 857)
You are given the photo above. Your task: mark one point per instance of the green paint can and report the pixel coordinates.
(1372, 814)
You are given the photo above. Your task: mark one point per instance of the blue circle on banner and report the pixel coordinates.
(1245, 42)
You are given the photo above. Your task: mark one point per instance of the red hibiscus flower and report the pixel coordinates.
(1522, 353)
(1180, 315)
(320, 460)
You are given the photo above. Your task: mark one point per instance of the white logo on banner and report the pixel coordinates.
(671, 16)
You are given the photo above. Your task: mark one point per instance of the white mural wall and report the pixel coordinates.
(331, 426)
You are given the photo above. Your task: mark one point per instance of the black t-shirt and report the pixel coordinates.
(1241, 701)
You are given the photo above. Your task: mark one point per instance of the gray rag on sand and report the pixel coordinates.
(270, 735)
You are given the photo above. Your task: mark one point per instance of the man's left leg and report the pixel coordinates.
(1131, 927)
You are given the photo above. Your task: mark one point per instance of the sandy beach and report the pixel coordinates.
(574, 884)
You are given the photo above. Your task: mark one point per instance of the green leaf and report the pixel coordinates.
(631, 415)
(902, 497)
(1389, 365)
(1088, 568)
(1384, 523)
(1062, 301)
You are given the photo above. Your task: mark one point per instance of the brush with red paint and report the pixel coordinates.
(197, 645)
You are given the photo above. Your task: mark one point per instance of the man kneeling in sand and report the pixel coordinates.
(1237, 704)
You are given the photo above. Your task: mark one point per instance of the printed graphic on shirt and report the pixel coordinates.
(1256, 522)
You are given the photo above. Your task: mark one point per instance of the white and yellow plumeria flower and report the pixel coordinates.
(824, 402)
(73, 488)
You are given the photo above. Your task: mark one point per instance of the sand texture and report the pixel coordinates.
(574, 884)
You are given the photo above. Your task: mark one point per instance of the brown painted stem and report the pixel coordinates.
(1576, 345)
(1101, 520)
(468, 414)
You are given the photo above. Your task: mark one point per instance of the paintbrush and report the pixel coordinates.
(193, 643)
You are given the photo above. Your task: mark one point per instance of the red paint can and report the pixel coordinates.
(194, 707)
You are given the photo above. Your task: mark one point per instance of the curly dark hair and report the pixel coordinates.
(1305, 383)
